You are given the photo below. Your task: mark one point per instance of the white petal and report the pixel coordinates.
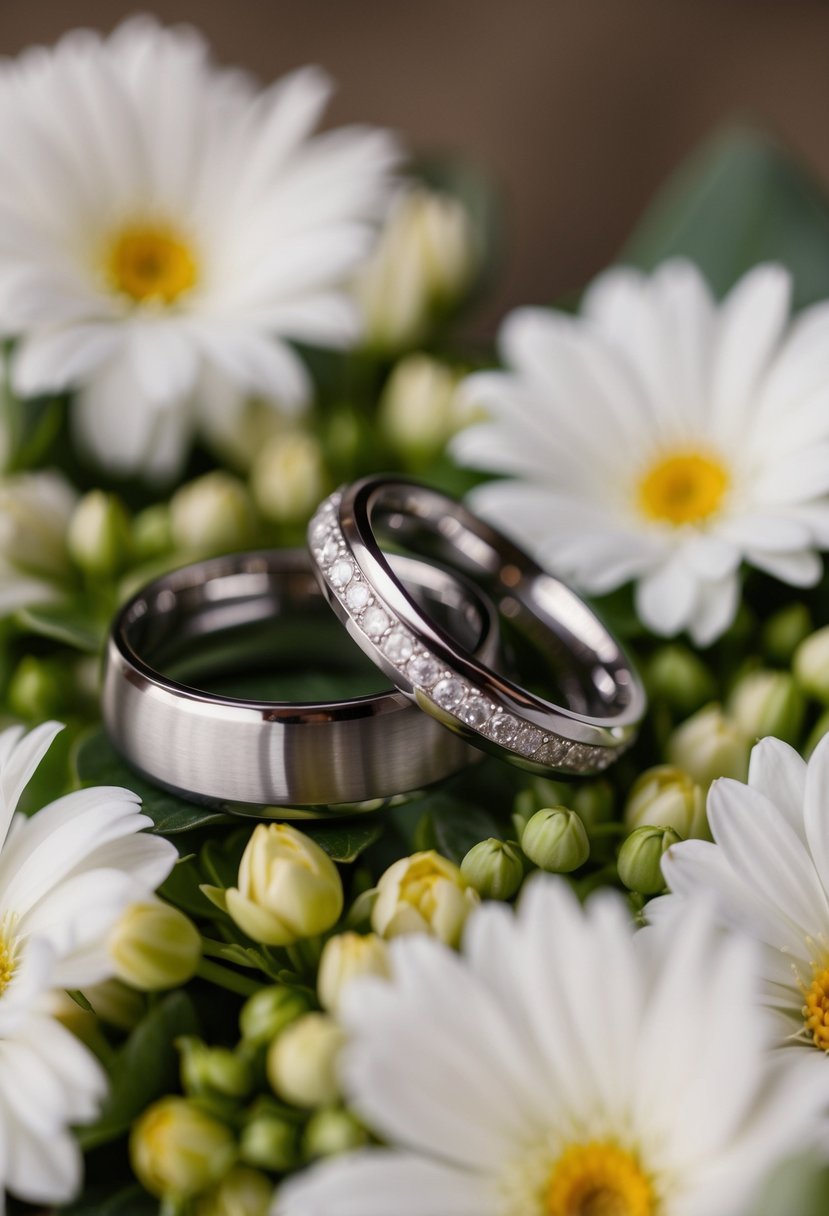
(51, 361)
(666, 597)
(751, 323)
(779, 772)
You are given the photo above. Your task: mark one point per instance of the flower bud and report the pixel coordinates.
(494, 868)
(266, 1014)
(242, 1192)
(289, 888)
(213, 1070)
(176, 1150)
(768, 703)
(811, 665)
(681, 678)
(213, 514)
(417, 413)
(709, 745)
(269, 1142)
(152, 535)
(593, 801)
(555, 840)
(116, 1003)
(34, 513)
(423, 893)
(347, 957)
(666, 797)
(640, 858)
(288, 477)
(332, 1131)
(154, 946)
(302, 1062)
(37, 688)
(99, 534)
(783, 632)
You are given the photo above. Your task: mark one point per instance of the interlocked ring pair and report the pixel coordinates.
(443, 626)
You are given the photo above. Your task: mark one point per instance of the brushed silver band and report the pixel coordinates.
(602, 699)
(262, 758)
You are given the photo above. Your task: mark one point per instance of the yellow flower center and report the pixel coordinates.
(816, 1009)
(9, 952)
(683, 488)
(151, 262)
(599, 1179)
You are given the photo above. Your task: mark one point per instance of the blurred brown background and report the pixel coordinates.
(579, 107)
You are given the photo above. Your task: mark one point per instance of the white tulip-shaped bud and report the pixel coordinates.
(302, 1062)
(667, 797)
(346, 957)
(423, 893)
(418, 410)
(213, 514)
(709, 745)
(288, 477)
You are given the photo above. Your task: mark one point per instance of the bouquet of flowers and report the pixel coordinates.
(526, 989)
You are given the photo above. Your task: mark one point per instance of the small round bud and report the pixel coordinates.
(176, 1150)
(35, 509)
(681, 678)
(269, 1142)
(666, 797)
(332, 1131)
(154, 946)
(37, 688)
(213, 514)
(213, 1070)
(417, 414)
(783, 632)
(709, 745)
(494, 868)
(768, 703)
(288, 477)
(116, 1003)
(99, 534)
(640, 858)
(302, 1062)
(811, 665)
(555, 840)
(346, 957)
(424, 893)
(266, 1014)
(152, 535)
(242, 1192)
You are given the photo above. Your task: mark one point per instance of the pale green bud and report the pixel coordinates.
(270, 1142)
(679, 676)
(783, 632)
(99, 534)
(666, 797)
(154, 946)
(176, 1150)
(288, 477)
(417, 414)
(709, 745)
(811, 665)
(152, 534)
(330, 1132)
(116, 1003)
(555, 839)
(213, 1070)
(35, 509)
(768, 703)
(213, 514)
(494, 868)
(266, 1014)
(347, 957)
(424, 893)
(37, 688)
(288, 887)
(302, 1062)
(640, 858)
(242, 1192)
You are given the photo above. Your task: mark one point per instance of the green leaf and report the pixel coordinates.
(344, 842)
(69, 622)
(106, 1201)
(146, 1068)
(181, 888)
(738, 201)
(453, 826)
(98, 763)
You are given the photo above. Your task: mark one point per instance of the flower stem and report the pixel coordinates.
(225, 978)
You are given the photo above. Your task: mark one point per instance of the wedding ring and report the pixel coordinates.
(599, 698)
(252, 756)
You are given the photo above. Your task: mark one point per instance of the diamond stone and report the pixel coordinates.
(554, 752)
(528, 741)
(340, 573)
(358, 595)
(503, 728)
(319, 531)
(330, 550)
(424, 670)
(375, 622)
(475, 712)
(449, 692)
(398, 646)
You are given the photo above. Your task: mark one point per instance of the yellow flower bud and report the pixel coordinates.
(346, 957)
(811, 665)
(666, 797)
(417, 409)
(288, 887)
(213, 514)
(709, 745)
(768, 703)
(555, 839)
(302, 1062)
(99, 534)
(288, 477)
(640, 859)
(242, 1192)
(177, 1150)
(154, 946)
(423, 893)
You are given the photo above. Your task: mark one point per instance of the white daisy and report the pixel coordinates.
(563, 1066)
(663, 438)
(166, 227)
(769, 872)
